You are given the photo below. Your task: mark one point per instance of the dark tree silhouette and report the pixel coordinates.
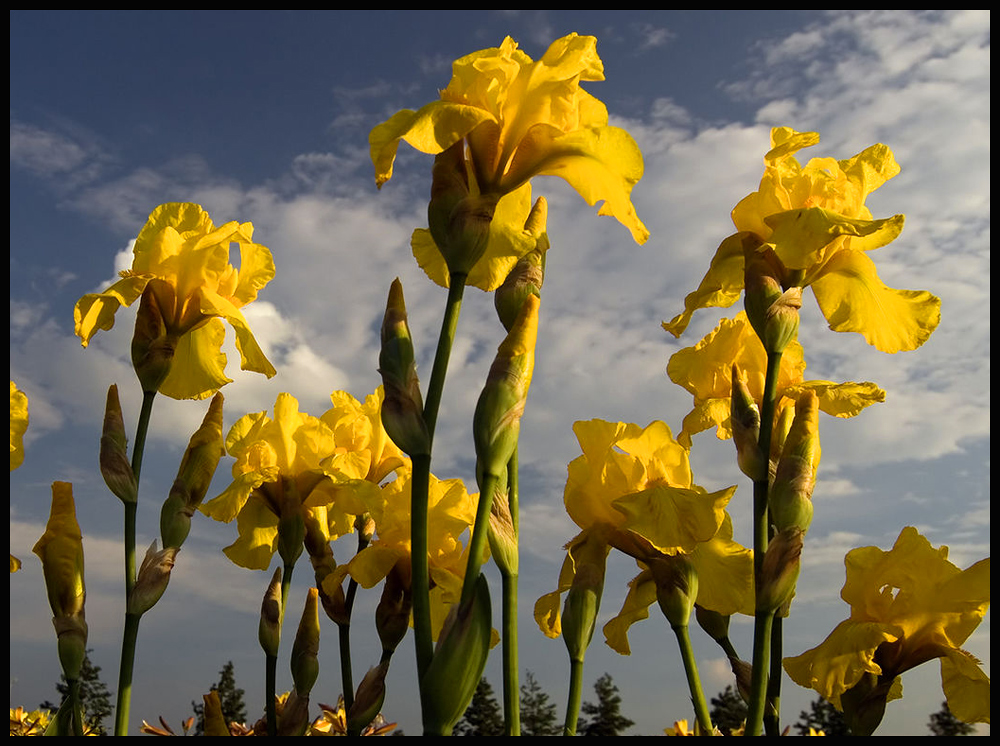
(605, 718)
(944, 723)
(729, 711)
(230, 697)
(94, 696)
(483, 717)
(538, 714)
(822, 716)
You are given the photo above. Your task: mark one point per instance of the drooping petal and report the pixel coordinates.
(199, 365)
(966, 687)
(641, 595)
(674, 519)
(854, 299)
(96, 311)
(725, 573)
(18, 425)
(806, 237)
(258, 539)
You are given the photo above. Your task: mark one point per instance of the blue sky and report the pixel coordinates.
(264, 117)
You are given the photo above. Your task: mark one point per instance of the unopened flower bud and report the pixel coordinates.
(305, 648)
(403, 407)
(368, 699)
(61, 551)
(215, 721)
(152, 346)
(790, 497)
(772, 311)
(392, 615)
(459, 220)
(193, 477)
(864, 703)
(583, 601)
(780, 570)
(676, 587)
(716, 625)
(459, 659)
(497, 420)
(152, 580)
(502, 530)
(745, 419)
(294, 717)
(269, 630)
(527, 275)
(291, 526)
(115, 466)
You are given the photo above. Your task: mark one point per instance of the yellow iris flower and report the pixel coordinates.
(277, 473)
(908, 606)
(814, 220)
(522, 118)
(184, 259)
(632, 488)
(18, 425)
(451, 511)
(706, 371)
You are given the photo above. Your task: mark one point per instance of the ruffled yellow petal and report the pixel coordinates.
(641, 595)
(507, 243)
(966, 687)
(18, 425)
(854, 299)
(258, 539)
(725, 573)
(199, 365)
(840, 661)
(674, 519)
(96, 311)
(806, 237)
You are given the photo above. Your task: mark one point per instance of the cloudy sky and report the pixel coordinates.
(264, 117)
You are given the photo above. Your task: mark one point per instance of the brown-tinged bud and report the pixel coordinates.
(676, 587)
(152, 346)
(115, 466)
(503, 530)
(772, 311)
(152, 580)
(459, 659)
(497, 421)
(403, 406)
(459, 220)
(368, 699)
(294, 717)
(269, 630)
(743, 671)
(61, 551)
(790, 497)
(392, 615)
(714, 623)
(864, 703)
(780, 570)
(305, 648)
(193, 477)
(215, 721)
(745, 419)
(528, 274)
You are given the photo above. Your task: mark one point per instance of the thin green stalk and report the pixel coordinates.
(761, 647)
(511, 666)
(772, 714)
(76, 707)
(344, 630)
(480, 534)
(511, 690)
(575, 696)
(131, 630)
(420, 570)
(129, 637)
(694, 682)
(270, 684)
(420, 490)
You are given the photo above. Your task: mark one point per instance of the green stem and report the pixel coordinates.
(480, 534)
(449, 324)
(758, 684)
(511, 666)
(772, 714)
(420, 489)
(344, 630)
(76, 707)
(420, 570)
(270, 684)
(694, 682)
(131, 629)
(129, 637)
(575, 695)
(511, 691)
(761, 647)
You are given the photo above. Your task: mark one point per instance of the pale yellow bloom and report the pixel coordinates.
(814, 221)
(184, 258)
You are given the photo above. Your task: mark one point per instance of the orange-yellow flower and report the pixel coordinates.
(908, 606)
(814, 220)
